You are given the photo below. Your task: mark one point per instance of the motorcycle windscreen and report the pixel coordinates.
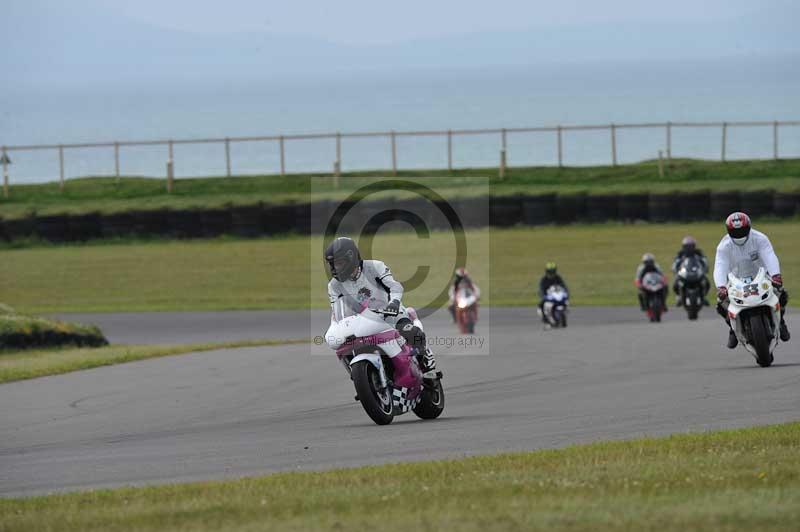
(745, 270)
(345, 307)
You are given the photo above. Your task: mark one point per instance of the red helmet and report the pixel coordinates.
(738, 225)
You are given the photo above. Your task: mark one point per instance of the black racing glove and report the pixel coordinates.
(393, 308)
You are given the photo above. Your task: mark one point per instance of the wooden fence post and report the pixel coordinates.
(394, 152)
(283, 157)
(450, 150)
(613, 145)
(724, 139)
(5, 172)
(61, 167)
(669, 142)
(170, 168)
(503, 151)
(338, 164)
(116, 161)
(227, 156)
(775, 140)
(560, 149)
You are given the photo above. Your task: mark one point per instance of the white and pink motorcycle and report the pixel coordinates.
(384, 369)
(755, 312)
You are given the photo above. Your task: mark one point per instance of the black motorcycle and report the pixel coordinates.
(691, 275)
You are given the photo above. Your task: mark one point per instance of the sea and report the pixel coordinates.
(733, 89)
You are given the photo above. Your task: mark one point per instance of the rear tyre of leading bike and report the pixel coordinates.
(656, 307)
(761, 340)
(431, 404)
(377, 404)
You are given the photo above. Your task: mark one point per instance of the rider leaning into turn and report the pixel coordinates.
(648, 265)
(742, 243)
(370, 283)
(460, 277)
(689, 249)
(550, 278)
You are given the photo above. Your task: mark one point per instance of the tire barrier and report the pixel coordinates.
(473, 212)
(633, 207)
(757, 202)
(246, 220)
(694, 205)
(504, 211)
(185, 224)
(118, 225)
(570, 208)
(602, 208)
(661, 207)
(216, 222)
(721, 204)
(786, 204)
(538, 210)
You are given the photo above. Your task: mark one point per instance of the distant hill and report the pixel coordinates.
(56, 45)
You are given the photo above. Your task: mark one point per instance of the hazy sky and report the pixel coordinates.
(368, 22)
(52, 42)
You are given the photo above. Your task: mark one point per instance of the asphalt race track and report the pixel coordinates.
(252, 411)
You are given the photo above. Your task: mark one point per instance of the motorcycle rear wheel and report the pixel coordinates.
(431, 404)
(760, 339)
(656, 306)
(367, 383)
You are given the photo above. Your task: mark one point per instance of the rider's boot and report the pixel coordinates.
(678, 300)
(429, 364)
(732, 340)
(784, 331)
(642, 305)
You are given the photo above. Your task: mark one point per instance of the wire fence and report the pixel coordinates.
(391, 138)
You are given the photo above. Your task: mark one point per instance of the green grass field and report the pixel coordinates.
(742, 480)
(598, 262)
(20, 365)
(102, 194)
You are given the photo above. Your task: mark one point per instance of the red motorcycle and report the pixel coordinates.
(653, 284)
(466, 303)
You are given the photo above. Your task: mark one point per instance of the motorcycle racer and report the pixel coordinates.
(550, 278)
(460, 276)
(648, 265)
(370, 284)
(689, 249)
(743, 243)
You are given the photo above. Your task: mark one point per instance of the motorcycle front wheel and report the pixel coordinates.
(431, 405)
(761, 340)
(377, 403)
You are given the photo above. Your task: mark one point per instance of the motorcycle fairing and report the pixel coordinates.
(404, 399)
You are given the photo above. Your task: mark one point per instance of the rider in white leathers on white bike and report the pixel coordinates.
(743, 243)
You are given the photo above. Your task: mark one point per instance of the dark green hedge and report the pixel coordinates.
(18, 331)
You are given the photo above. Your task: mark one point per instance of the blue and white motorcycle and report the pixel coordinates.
(555, 307)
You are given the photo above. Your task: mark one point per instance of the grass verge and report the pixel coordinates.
(103, 194)
(719, 481)
(18, 331)
(597, 261)
(20, 365)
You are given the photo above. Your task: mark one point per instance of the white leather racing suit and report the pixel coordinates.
(757, 249)
(374, 287)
